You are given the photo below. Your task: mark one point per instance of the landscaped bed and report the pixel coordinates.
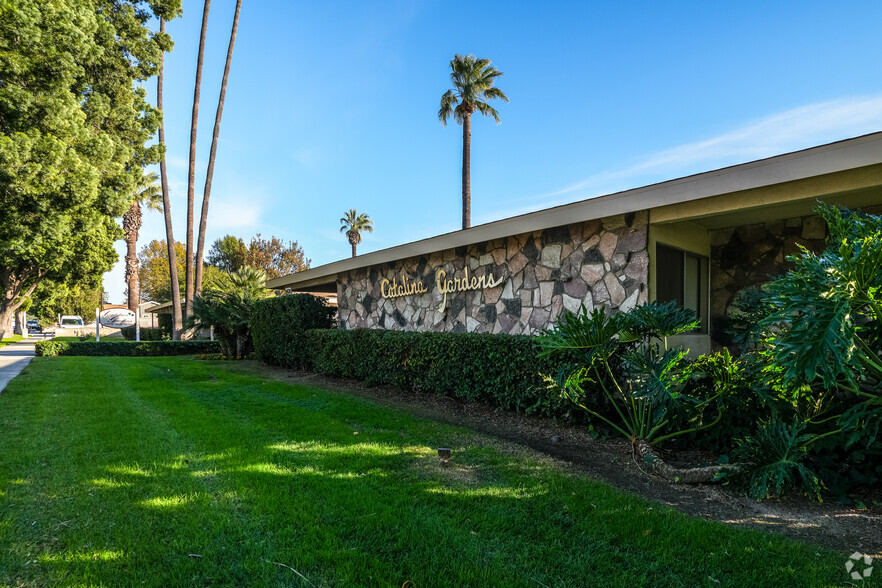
(167, 471)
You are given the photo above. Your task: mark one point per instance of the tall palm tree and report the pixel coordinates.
(166, 208)
(147, 195)
(191, 178)
(200, 247)
(353, 224)
(472, 84)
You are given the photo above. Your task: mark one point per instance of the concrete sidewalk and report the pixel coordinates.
(13, 358)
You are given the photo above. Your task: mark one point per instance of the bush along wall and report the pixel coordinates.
(278, 326)
(125, 348)
(501, 370)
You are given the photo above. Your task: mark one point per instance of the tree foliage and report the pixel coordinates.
(228, 253)
(73, 126)
(153, 276)
(271, 256)
(54, 298)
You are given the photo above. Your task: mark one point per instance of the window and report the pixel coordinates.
(682, 277)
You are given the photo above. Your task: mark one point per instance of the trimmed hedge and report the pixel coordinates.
(502, 370)
(125, 348)
(278, 325)
(148, 334)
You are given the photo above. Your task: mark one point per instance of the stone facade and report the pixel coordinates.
(596, 263)
(751, 255)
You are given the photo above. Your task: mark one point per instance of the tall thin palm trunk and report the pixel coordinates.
(131, 226)
(166, 208)
(191, 179)
(466, 170)
(200, 248)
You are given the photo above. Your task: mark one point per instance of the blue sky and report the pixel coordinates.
(332, 106)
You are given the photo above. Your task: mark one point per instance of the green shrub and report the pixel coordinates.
(501, 370)
(125, 348)
(146, 334)
(278, 325)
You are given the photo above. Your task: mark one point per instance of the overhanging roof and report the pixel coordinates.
(671, 196)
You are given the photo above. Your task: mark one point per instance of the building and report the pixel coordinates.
(697, 240)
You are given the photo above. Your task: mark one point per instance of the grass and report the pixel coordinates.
(171, 471)
(6, 341)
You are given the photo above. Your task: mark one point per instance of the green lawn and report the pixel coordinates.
(135, 471)
(8, 340)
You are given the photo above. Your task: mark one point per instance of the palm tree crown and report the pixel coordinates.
(472, 85)
(353, 224)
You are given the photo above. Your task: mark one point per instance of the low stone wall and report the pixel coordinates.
(595, 263)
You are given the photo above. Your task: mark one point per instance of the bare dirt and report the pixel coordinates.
(828, 524)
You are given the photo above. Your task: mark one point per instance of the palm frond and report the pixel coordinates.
(487, 110)
(448, 103)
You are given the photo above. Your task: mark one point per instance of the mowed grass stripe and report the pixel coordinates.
(103, 468)
(152, 460)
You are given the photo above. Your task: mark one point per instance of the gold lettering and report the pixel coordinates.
(444, 285)
(442, 288)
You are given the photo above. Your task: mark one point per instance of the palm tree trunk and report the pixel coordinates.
(131, 225)
(191, 179)
(466, 170)
(200, 248)
(166, 208)
(353, 240)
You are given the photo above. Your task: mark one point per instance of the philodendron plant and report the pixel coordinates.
(627, 356)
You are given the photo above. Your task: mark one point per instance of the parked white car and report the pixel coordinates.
(72, 321)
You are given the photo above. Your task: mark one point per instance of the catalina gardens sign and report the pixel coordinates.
(442, 283)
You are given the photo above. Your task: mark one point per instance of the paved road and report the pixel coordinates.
(14, 357)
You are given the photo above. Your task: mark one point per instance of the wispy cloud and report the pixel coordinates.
(787, 131)
(308, 157)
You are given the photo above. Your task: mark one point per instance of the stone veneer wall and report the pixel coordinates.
(602, 262)
(751, 255)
